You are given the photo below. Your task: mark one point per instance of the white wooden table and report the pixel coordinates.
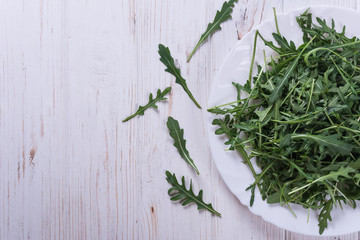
(71, 70)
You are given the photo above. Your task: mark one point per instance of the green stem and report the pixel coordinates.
(253, 58)
(193, 51)
(311, 93)
(276, 22)
(223, 105)
(192, 97)
(252, 91)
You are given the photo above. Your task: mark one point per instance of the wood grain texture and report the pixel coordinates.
(70, 72)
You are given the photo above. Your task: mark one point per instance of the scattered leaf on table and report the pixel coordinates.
(178, 192)
(151, 104)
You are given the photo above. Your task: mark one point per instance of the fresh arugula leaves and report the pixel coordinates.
(179, 192)
(284, 80)
(160, 96)
(177, 134)
(300, 120)
(221, 16)
(168, 61)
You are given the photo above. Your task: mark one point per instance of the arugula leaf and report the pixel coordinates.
(333, 175)
(178, 192)
(151, 104)
(224, 126)
(221, 16)
(277, 196)
(330, 141)
(284, 44)
(168, 61)
(240, 88)
(324, 216)
(179, 142)
(262, 114)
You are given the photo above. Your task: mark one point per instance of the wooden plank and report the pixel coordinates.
(102, 87)
(32, 118)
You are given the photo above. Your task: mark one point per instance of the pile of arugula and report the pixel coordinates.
(301, 120)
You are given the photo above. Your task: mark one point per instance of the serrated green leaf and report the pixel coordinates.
(252, 198)
(221, 16)
(151, 104)
(262, 114)
(324, 216)
(179, 192)
(240, 88)
(357, 178)
(244, 126)
(278, 196)
(179, 142)
(330, 141)
(283, 43)
(223, 124)
(168, 61)
(332, 176)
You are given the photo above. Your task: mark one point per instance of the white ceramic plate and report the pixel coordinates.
(235, 174)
